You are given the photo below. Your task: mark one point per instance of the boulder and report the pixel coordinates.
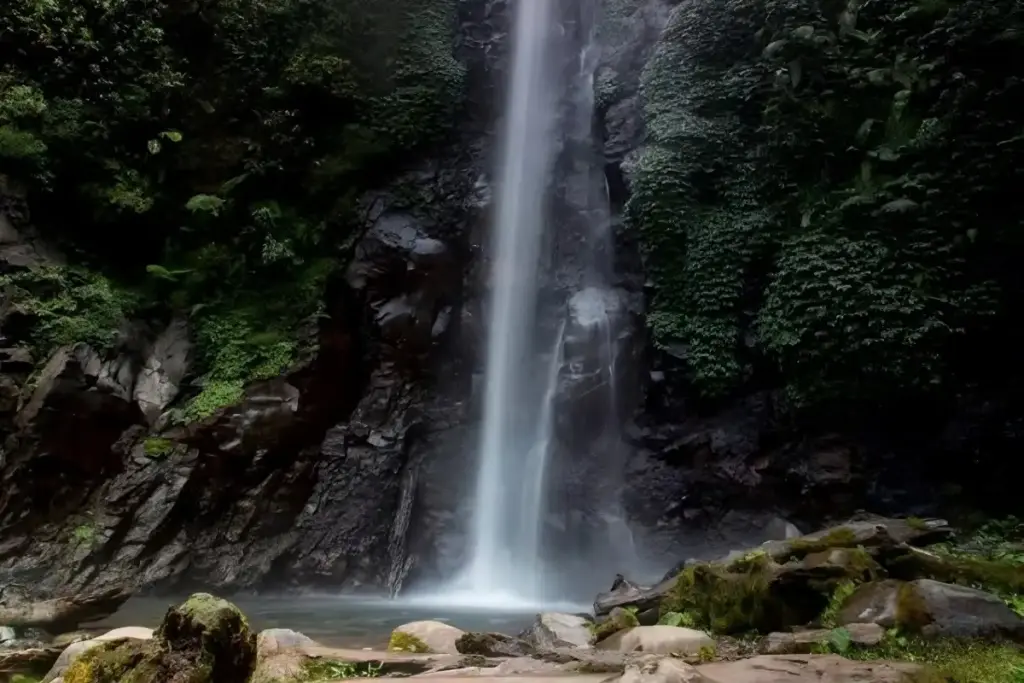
(617, 620)
(61, 614)
(203, 640)
(808, 669)
(553, 630)
(492, 645)
(663, 640)
(273, 641)
(279, 656)
(425, 637)
(74, 649)
(933, 609)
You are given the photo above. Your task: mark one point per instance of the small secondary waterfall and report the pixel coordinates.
(508, 507)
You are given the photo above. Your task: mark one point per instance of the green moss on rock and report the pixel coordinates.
(203, 640)
(1003, 577)
(912, 613)
(157, 447)
(727, 598)
(130, 661)
(405, 642)
(619, 619)
(840, 537)
(217, 630)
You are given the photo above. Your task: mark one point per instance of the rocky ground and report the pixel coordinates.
(873, 600)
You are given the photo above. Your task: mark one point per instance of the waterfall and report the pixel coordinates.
(507, 511)
(546, 136)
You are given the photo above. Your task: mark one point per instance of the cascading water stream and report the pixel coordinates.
(536, 465)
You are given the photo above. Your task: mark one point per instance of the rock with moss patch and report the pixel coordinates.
(425, 637)
(781, 584)
(808, 641)
(203, 640)
(75, 649)
(492, 645)
(932, 609)
(619, 619)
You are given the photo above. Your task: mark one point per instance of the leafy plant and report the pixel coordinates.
(684, 619)
(326, 670)
(839, 640)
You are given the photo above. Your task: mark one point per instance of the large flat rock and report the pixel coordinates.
(555, 678)
(807, 669)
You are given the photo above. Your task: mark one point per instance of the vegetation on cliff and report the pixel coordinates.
(826, 199)
(208, 159)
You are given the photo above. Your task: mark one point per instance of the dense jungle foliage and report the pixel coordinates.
(828, 196)
(206, 157)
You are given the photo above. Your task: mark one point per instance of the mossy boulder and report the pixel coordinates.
(932, 609)
(422, 637)
(619, 619)
(203, 640)
(755, 592)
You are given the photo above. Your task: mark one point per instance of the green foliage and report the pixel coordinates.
(68, 305)
(957, 661)
(84, 534)
(829, 618)
(823, 194)
(247, 335)
(401, 641)
(684, 619)
(840, 537)
(839, 641)
(156, 447)
(996, 540)
(725, 599)
(221, 149)
(619, 620)
(330, 670)
(707, 653)
(990, 558)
